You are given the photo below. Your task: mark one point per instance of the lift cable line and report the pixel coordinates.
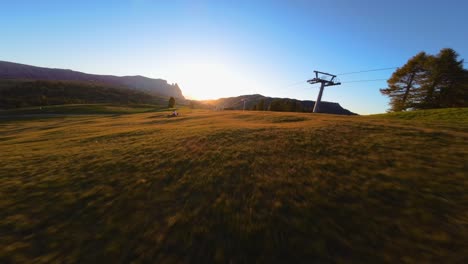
(349, 73)
(372, 70)
(345, 73)
(372, 80)
(326, 79)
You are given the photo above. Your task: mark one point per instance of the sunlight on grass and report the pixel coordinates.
(232, 187)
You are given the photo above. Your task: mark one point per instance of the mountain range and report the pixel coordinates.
(24, 85)
(157, 87)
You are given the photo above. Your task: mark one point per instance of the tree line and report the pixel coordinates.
(279, 105)
(428, 81)
(16, 94)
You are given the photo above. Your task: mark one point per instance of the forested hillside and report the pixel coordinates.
(158, 87)
(258, 102)
(20, 93)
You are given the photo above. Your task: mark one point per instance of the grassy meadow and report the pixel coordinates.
(234, 187)
(79, 109)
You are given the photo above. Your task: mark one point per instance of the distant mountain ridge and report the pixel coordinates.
(159, 87)
(253, 100)
(156, 89)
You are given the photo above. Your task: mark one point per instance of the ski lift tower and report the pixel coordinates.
(326, 79)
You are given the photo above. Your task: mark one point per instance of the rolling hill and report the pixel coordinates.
(158, 87)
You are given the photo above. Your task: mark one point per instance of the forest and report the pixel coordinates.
(18, 93)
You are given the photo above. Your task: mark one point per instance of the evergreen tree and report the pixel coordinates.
(171, 103)
(445, 85)
(276, 105)
(290, 106)
(285, 105)
(261, 105)
(299, 107)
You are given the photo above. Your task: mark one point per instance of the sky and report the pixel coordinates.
(221, 48)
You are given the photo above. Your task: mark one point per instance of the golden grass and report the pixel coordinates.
(236, 187)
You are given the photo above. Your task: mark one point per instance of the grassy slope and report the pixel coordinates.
(451, 118)
(233, 186)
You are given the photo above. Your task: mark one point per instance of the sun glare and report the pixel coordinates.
(209, 80)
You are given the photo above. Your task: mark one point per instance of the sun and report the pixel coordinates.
(211, 80)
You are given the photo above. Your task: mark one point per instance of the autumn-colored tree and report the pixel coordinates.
(428, 81)
(404, 83)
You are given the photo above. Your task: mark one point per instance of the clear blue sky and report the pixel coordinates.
(228, 48)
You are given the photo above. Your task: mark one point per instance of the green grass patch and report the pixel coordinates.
(81, 109)
(442, 118)
(453, 115)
